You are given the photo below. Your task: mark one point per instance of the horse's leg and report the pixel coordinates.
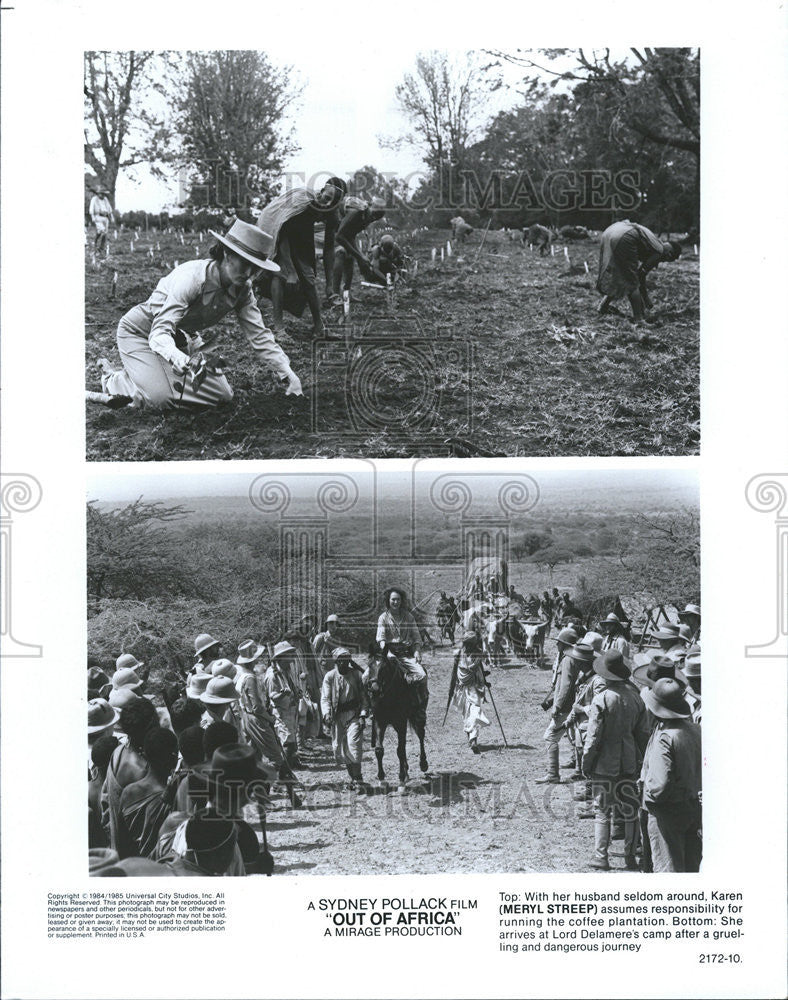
(378, 732)
(419, 729)
(402, 731)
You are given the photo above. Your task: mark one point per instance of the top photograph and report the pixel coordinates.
(493, 253)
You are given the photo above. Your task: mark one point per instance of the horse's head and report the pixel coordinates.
(381, 671)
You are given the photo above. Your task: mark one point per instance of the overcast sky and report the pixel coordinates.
(337, 123)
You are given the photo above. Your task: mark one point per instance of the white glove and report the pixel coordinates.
(293, 383)
(179, 361)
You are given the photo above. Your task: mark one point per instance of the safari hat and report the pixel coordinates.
(223, 668)
(593, 639)
(249, 242)
(128, 662)
(611, 666)
(101, 715)
(219, 691)
(126, 678)
(339, 653)
(611, 619)
(692, 662)
(205, 833)
(281, 648)
(387, 240)
(120, 697)
(666, 631)
(690, 609)
(204, 641)
(568, 636)
(333, 618)
(249, 651)
(197, 685)
(581, 653)
(685, 633)
(666, 700)
(658, 667)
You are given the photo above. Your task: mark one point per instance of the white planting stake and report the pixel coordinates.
(346, 302)
(433, 255)
(585, 265)
(158, 245)
(442, 256)
(552, 251)
(175, 264)
(695, 246)
(115, 234)
(448, 248)
(182, 240)
(106, 249)
(531, 247)
(566, 252)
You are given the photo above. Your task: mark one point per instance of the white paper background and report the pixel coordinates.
(274, 947)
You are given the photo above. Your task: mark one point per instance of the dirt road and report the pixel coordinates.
(472, 813)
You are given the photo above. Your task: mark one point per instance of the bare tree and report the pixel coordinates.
(121, 126)
(443, 101)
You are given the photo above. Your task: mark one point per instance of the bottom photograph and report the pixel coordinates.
(393, 671)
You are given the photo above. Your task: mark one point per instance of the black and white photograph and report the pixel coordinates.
(481, 253)
(479, 672)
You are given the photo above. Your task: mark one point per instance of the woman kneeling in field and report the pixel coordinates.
(159, 340)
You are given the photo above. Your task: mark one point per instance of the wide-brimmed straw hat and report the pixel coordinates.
(281, 648)
(197, 685)
(249, 651)
(690, 609)
(666, 700)
(657, 668)
(610, 665)
(126, 678)
(249, 242)
(126, 661)
(101, 715)
(204, 641)
(223, 668)
(219, 691)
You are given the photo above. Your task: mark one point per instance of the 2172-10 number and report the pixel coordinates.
(717, 958)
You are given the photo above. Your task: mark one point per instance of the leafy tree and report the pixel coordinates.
(231, 119)
(122, 127)
(130, 553)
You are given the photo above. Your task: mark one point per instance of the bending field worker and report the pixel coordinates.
(165, 358)
(627, 254)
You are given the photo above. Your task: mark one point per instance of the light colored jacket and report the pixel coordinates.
(343, 693)
(671, 772)
(617, 731)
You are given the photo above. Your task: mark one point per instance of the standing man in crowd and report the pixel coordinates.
(615, 740)
(671, 780)
(345, 706)
(568, 671)
(470, 687)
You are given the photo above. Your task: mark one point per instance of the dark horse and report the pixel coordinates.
(395, 703)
